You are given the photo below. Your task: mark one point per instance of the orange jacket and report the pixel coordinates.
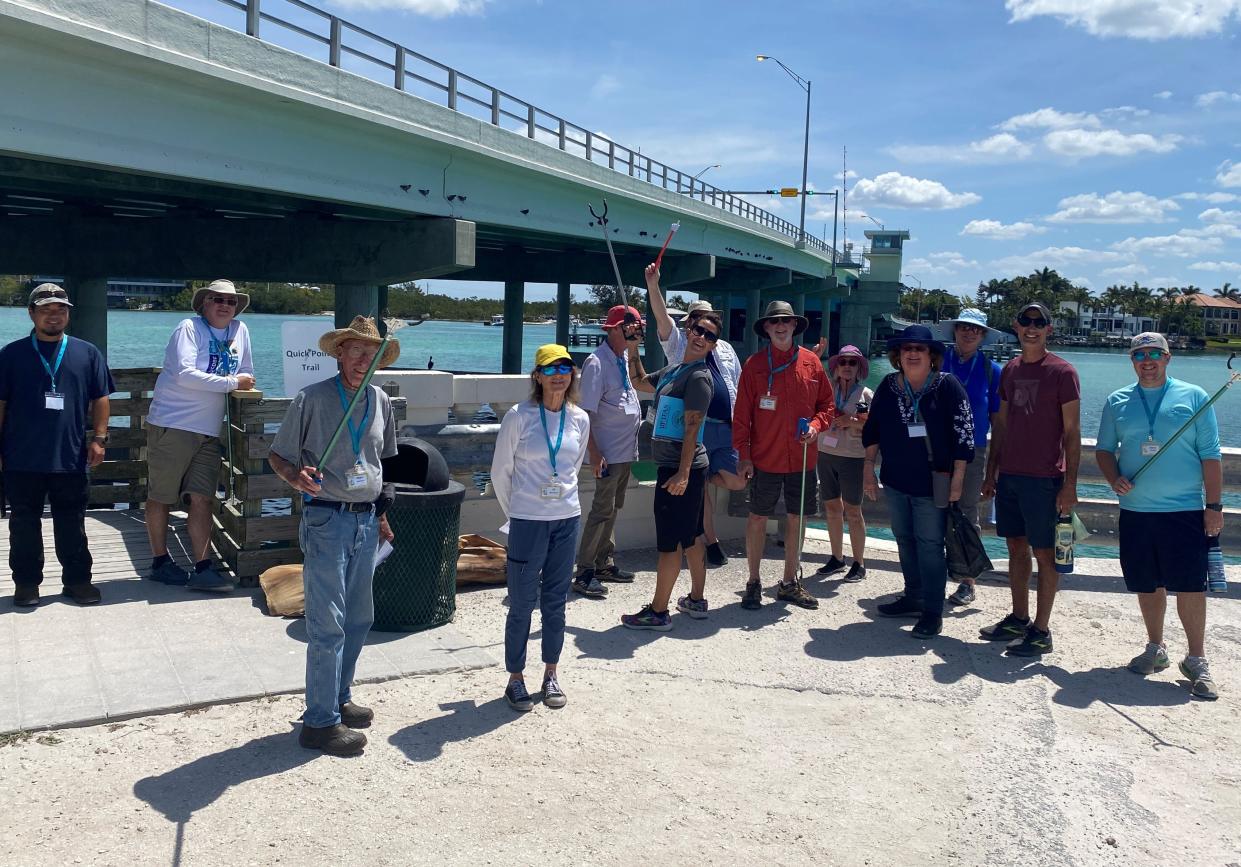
(769, 437)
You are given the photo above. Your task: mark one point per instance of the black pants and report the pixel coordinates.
(68, 494)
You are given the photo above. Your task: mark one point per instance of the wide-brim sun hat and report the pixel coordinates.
(361, 328)
(969, 316)
(780, 308)
(916, 334)
(219, 287)
(850, 351)
(550, 353)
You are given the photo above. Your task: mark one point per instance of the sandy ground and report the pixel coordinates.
(781, 736)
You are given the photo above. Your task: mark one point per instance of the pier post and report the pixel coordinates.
(510, 353)
(563, 299)
(355, 299)
(753, 300)
(799, 307)
(88, 320)
(381, 304)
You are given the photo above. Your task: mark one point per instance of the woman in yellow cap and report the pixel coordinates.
(539, 451)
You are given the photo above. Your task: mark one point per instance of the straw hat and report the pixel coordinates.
(361, 328)
(780, 308)
(219, 287)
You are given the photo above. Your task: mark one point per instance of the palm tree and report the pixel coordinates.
(1228, 293)
(1192, 290)
(1081, 299)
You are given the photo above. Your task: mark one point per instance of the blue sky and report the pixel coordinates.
(1101, 138)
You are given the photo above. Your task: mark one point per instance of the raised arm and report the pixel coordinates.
(663, 322)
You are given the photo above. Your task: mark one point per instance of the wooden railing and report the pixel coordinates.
(122, 477)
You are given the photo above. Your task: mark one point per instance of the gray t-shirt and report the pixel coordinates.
(308, 425)
(694, 386)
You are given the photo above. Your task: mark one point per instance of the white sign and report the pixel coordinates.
(304, 362)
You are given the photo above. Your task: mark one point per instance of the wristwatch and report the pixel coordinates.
(100, 439)
(1215, 507)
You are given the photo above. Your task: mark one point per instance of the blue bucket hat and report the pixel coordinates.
(969, 316)
(916, 334)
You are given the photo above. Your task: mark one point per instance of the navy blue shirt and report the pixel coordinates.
(721, 408)
(40, 440)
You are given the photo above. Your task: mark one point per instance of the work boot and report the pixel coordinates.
(355, 716)
(337, 740)
(83, 594)
(26, 595)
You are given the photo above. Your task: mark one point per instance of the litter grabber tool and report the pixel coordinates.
(803, 428)
(602, 220)
(672, 231)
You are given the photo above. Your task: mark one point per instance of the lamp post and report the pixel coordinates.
(804, 84)
(918, 311)
(704, 171)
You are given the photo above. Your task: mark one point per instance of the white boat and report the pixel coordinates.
(497, 319)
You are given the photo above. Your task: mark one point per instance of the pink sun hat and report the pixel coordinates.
(851, 351)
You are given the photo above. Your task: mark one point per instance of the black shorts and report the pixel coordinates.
(678, 519)
(1163, 549)
(766, 488)
(1026, 506)
(840, 478)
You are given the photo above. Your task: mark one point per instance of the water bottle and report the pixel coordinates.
(1064, 543)
(1216, 582)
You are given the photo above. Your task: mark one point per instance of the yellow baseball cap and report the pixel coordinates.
(550, 353)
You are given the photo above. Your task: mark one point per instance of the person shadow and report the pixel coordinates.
(424, 740)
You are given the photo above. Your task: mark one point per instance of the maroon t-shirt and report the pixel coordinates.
(1034, 435)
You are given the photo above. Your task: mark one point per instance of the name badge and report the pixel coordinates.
(827, 439)
(551, 491)
(917, 430)
(1149, 448)
(356, 478)
(767, 401)
(53, 400)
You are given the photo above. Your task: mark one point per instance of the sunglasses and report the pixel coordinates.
(705, 334)
(58, 293)
(847, 362)
(915, 347)
(782, 320)
(1027, 321)
(1144, 354)
(553, 369)
(971, 329)
(231, 302)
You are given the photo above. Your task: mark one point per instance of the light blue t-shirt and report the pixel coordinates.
(1174, 482)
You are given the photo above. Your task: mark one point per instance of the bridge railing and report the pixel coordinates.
(316, 31)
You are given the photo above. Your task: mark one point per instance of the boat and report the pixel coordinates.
(1224, 341)
(497, 319)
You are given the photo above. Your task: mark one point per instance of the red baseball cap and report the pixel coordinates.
(616, 316)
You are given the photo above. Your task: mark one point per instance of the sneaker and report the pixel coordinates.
(753, 598)
(902, 606)
(82, 594)
(1198, 673)
(210, 581)
(857, 572)
(716, 556)
(1035, 643)
(792, 591)
(1154, 658)
(615, 574)
(588, 585)
(553, 695)
(1007, 629)
(695, 608)
(831, 567)
(517, 697)
(171, 574)
(648, 618)
(964, 594)
(26, 595)
(337, 740)
(928, 626)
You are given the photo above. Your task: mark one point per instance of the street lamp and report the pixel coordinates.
(804, 84)
(704, 171)
(918, 311)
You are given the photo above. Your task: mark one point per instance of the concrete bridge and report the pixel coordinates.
(140, 139)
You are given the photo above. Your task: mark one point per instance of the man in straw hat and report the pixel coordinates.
(778, 386)
(340, 528)
(207, 356)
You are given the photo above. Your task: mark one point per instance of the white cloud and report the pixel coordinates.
(1084, 282)
(901, 191)
(1107, 142)
(605, 85)
(939, 264)
(847, 175)
(1136, 19)
(997, 231)
(1213, 198)
(430, 8)
(1183, 244)
(1049, 118)
(1055, 257)
(1163, 94)
(1115, 207)
(999, 148)
(1132, 271)
(1216, 267)
(1218, 215)
(1229, 175)
(1206, 100)
(1125, 111)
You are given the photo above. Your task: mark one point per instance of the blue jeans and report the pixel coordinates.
(338, 571)
(919, 530)
(540, 569)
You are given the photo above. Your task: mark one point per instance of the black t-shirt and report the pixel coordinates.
(40, 440)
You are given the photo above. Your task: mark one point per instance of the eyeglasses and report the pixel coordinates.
(367, 352)
(553, 369)
(709, 336)
(231, 302)
(1144, 354)
(781, 320)
(1027, 321)
(915, 347)
(847, 362)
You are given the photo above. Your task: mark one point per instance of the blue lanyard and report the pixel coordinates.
(840, 405)
(60, 356)
(552, 451)
(620, 365)
(355, 434)
(772, 371)
(226, 356)
(667, 381)
(1151, 413)
(957, 363)
(916, 399)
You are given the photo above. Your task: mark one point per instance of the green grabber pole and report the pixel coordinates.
(366, 380)
(1193, 418)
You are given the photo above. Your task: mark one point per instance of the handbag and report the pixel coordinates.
(967, 558)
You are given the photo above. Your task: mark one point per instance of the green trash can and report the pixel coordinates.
(416, 587)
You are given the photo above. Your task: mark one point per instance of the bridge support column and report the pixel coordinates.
(563, 299)
(726, 314)
(652, 352)
(356, 299)
(510, 353)
(753, 302)
(381, 304)
(88, 320)
(799, 307)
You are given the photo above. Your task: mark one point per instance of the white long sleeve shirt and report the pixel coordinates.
(201, 365)
(724, 356)
(521, 467)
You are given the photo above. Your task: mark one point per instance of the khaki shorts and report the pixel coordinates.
(180, 462)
